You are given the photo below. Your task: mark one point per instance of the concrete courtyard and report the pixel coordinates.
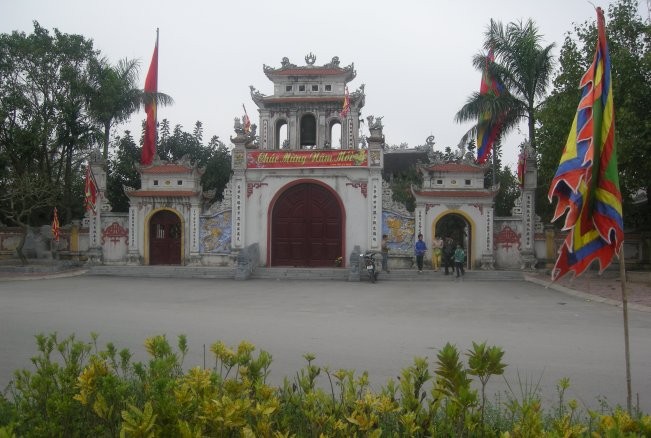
(546, 334)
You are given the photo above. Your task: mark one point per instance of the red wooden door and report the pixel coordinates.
(165, 239)
(306, 227)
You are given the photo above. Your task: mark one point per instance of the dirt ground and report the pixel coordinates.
(605, 287)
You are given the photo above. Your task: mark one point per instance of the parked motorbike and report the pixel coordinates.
(370, 265)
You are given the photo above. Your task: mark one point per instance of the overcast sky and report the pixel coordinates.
(415, 57)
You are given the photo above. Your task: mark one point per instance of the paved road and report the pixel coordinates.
(546, 334)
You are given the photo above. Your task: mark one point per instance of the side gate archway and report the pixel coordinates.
(165, 238)
(459, 228)
(306, 226)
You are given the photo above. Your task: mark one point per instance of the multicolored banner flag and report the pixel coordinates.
(151, 86)
(488, 128)
(55, 225)
(586, 184)
(346, 106)
(246, 121)
(90, 190)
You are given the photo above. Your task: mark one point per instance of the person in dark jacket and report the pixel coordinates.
(448, 255)
(420, 250)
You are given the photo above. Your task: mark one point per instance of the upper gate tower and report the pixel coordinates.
(305, 110)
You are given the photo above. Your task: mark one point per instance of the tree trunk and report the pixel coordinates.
(67, 184)
(21, 245)
(532, 129)
(107, 136)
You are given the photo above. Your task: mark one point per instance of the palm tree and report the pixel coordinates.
(116, 95)
(523, 66)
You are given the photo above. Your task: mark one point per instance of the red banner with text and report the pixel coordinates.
(284, 159)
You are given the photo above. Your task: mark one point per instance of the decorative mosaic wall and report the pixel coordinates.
(215, 233)
(400, 231)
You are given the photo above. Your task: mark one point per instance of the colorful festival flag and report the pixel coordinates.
(488, 128)
(346, 106)
(246, 121)
(586, 184)
(55, 225)
(90, 190)
(151, 87)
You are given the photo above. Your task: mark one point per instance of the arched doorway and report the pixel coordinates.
(282, 135)
(308, 131)
(334, 134)
(459, 229)
(306, 227)
(165, 235)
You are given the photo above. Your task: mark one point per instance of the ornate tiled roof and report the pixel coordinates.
(330, 69)
(286, 99)
(456, 193)
(165, 169)
(306, 71)
(168, 193)
(455, 167)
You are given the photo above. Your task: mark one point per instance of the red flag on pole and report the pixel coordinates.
(151, 87)
(346, 105)
(55, 225)
(90, 190)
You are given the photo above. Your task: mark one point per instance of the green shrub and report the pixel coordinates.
(76, 389)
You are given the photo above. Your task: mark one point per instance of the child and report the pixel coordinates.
(459, 259)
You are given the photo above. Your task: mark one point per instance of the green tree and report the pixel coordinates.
(122, 171)
(523, 66)
(214, 157)
(116, 95)
(401, 184)
(21, 196)
(508, 193)
(44, 124)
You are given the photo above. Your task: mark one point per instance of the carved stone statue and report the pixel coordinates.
(375, 122)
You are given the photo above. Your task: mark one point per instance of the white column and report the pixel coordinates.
(238, 215)
(375, 212)
(488, 244)
(419, 221)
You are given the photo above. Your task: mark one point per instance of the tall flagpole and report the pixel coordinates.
(151, 90)
(627, 350)
(156, 113)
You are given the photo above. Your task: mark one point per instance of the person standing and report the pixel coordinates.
(437, 249)
(385, 253)
(448, 255)
(459, 259)
(420, 249)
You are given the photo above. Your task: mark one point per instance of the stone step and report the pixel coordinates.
(287, 273)
(163, 271)
(301, 273)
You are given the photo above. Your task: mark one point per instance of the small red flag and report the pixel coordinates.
(55, 225)
(151, 86)
(90, 190)
(346, 107)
